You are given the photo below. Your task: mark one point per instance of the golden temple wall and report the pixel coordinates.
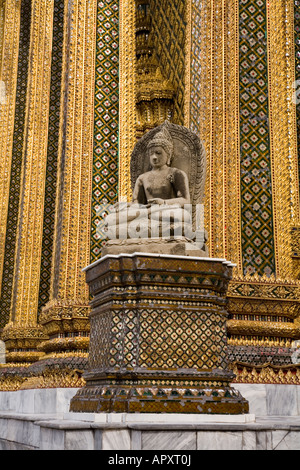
(67, 130)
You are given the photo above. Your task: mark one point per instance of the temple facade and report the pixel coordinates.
(80, 82)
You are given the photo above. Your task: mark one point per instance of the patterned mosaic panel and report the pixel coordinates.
(168, 24)
(53, 138)
(105, 166)
(297, 63)
(116, 338)
(101, 336)
(159, 338)
(256, 188)
(13, 204)
(182, 339)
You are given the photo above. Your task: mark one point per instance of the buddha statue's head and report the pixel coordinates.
(164, 140)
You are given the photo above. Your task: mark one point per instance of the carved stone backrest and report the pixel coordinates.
(189, 156)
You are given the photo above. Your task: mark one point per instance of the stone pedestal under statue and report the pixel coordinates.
(158, 337)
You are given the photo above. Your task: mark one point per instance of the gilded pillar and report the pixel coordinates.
(212, 111)
(23, 334)
(65, 316)
(264, 301)
(11, 124)
(127, 90)
(283, 131)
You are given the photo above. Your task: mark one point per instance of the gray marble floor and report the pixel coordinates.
(39, 419)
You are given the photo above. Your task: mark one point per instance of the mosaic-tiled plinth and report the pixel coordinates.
(158, 337)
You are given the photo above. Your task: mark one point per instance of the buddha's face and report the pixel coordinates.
(158, 157)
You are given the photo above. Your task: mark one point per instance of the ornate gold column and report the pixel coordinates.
(212, 90)
(283, 131)
(232, 203)
(23, 334)
(9, 48)
(127, 113)
(65, 317)
(265, 310)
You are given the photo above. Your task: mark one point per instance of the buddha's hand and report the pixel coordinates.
(157, 200)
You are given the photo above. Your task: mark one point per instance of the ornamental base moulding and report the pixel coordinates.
(266, 373)
(159, 391)
(158, 337)
(22, 342)
(263, 315)
(65, 352)
(67, 325)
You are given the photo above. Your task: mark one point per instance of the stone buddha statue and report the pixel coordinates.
(163, 184)
(160, 217)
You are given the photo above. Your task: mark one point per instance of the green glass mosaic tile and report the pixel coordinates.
(106, 125)
(256, 185)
